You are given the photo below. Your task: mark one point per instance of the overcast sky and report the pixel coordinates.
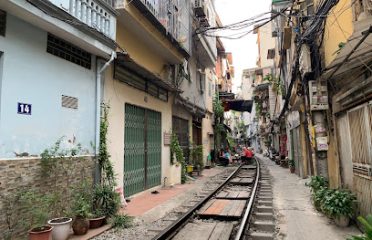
(244, 50)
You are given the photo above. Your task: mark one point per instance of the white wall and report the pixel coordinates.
(33, 76)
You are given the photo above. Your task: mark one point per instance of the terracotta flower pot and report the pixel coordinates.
(40, 233)
(96, 222)
(61, 227)
(292, 169)
(80, 226)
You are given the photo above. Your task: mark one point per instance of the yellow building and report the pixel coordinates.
(141, 92)
(347, 57)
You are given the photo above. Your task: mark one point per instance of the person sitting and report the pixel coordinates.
(224, 157)
(248, 155)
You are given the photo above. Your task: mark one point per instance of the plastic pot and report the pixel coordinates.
(189, 168)
(61, 227)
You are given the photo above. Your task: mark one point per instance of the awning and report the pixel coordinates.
(129, 64)
(226, 95)
(262, 86)
(190, 107)
(357, 55)
(238, 105)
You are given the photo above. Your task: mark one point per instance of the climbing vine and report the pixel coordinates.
(107, 170)
(176, 151)
(275, 82)
(217, 107)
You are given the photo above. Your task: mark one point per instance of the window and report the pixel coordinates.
(209, 89)
(69, 52)
(310, 7)
(271, 53)
(201, 79)
(2, 23)
(360, 123)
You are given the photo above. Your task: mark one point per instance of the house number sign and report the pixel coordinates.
(24, 108)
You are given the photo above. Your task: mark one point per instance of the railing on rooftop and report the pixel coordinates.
(98, 14)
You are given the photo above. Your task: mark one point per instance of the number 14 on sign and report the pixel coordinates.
(24, 108)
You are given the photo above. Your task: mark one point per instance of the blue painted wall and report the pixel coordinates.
(31, 75)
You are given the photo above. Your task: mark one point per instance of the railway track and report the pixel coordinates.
(239, 208)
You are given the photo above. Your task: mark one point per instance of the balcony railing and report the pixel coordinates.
(174, 17)
(97, 14)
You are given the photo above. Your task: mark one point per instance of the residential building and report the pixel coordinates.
(155, 37)
(347, 71)
(328, 91)
(192, 108)
(52, 56)
(264, 95)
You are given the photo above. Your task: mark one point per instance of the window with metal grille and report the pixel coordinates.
(69, 52)
(2, 22)
(360, 122)
(69, 102)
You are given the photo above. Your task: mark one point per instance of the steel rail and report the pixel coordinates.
(244, 224)
(171, 230)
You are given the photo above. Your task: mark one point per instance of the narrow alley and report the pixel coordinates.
(176, 119)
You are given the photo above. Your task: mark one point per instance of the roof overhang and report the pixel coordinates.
(348, 63)
(238, 105)
(190, 107)
(124, 60)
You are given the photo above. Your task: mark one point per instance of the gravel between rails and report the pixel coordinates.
(144, 229)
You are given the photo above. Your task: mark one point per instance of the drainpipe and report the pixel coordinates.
(98, 101)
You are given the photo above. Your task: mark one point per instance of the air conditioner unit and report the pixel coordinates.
(200, 8)
(204, 22)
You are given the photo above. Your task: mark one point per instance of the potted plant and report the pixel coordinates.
(81, 207)
(339, 205)
(291, 164)
(105, 204)
(37, 206)
(61, 227)
(318, 197)
(57, 162)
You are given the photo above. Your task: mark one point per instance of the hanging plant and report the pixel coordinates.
(218, 109)
(275, 82)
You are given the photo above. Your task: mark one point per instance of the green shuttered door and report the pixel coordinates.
(142, 149)
(153, 140)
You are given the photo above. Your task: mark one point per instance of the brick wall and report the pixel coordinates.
(19, 175)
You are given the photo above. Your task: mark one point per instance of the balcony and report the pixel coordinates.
(171, 18)
(97, 14)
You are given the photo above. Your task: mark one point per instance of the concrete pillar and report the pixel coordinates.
(321, 156)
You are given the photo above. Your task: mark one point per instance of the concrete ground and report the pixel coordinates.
(297, 219)
(148, 209)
